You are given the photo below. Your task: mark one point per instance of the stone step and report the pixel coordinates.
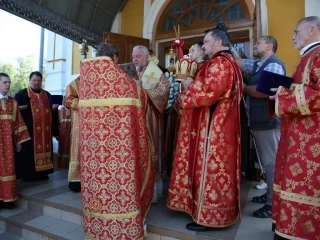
(9, 236)
(31, 225)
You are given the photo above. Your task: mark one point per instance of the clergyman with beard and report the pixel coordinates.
(265, 128)
(157, 87)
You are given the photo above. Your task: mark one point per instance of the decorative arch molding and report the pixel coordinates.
(156, 11)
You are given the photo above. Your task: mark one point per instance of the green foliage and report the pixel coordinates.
(19, 74)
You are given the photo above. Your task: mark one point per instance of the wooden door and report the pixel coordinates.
(124, 44)
(257, 24)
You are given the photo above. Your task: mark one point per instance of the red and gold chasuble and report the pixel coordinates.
(42, 136)
(296, 199)
(64, 137)
(72, 100)
(13, 130)
(117, 177)
(205, 180)
(157, 103)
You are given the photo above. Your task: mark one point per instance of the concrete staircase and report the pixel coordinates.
(34, 219)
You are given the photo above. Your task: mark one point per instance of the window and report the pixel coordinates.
(193, 14)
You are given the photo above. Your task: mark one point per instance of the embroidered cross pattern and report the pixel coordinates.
(151, 77)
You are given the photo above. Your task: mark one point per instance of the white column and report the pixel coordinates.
(146, 8)
(312, 8)
(151, 16)
(264, 18)
(116, 26)
(56, 63)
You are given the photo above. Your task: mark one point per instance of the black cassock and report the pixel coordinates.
(25, 161)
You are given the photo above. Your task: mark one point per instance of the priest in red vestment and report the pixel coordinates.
(296, 199)
(35, 160)
(13, 133)
(72, 100)
(117, 176)
(64, 136)
(205, 180)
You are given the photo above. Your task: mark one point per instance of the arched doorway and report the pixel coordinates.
(196, 16)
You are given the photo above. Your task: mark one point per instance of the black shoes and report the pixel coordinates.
(264, 212)
(196, 227)
(75, 186)
(7, 205)
(261, 199)
(36, 178)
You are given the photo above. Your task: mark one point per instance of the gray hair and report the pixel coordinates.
(220, 35)
(143, 48)
(106, 49)
(312, 20)
(273, 41)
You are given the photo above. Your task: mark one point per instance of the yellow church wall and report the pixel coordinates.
(132, 18)
(76, 58)
(282, 18)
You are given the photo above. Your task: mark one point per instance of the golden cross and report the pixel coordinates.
(193, 133)
(151, 77)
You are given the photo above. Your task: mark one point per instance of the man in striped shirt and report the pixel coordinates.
(265, 128)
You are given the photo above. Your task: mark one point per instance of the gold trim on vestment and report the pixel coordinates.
(181, 194)
(15, 109)
(74, 103)
(276, 188)
(97, 58)
(22, 141)
(8, 178)
(145, 182)
(5, 117)
(3, 103)
(299, 198)
(44, 157)
(188, 211)
(112, 216)
(305, 76)
(20, 129)
(110, 102)
(288, 236)
(214, 208)
(43, 168)
(47, 154)
(277, 102)
(9, 200)
(74, 162)
(301, 100)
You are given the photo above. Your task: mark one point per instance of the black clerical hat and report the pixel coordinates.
(22, 99)
(56, 99)
(268, 80)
